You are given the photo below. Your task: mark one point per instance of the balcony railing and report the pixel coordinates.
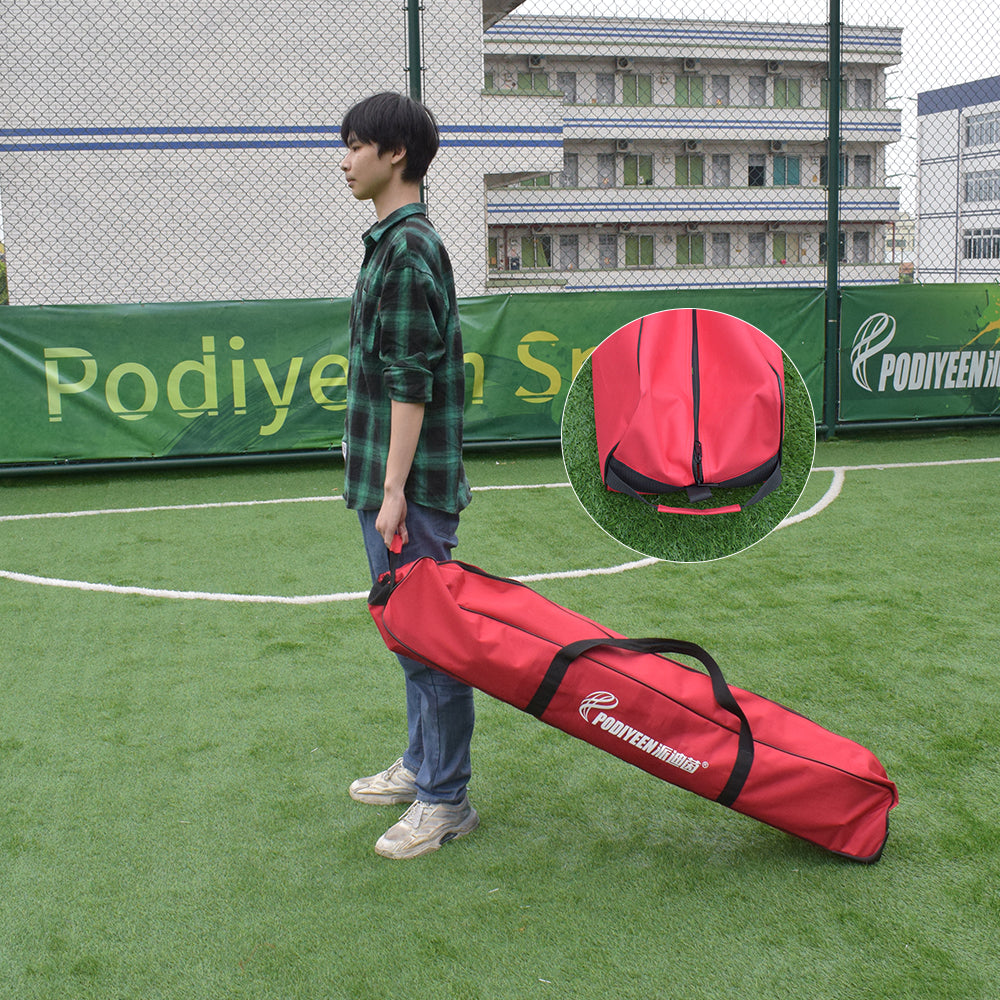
(555, 206)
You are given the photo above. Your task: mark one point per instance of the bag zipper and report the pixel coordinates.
(696, 465)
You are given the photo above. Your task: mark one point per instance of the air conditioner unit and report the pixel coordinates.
(536, 62)
(690, 65)
(692, 227)
(691, 145)
(626, 227)
(622, 145)
(774, 227)
(772, 66)
(776, 146)
(624, 64)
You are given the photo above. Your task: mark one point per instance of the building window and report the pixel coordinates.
(638, 251)
(863, 171)
(786, 248)
(824, 171)
(757, 248)
(637, 89)
(786, 170)
(981, 244)
(983, 130)
(757, 97)
(536, 251)
(860, 248)
(720, 249)
(982, 185)
(862, 93)
(689, 170)
(720, 91)
(541, 182)
(690, 249)
(607, 250)
(570, 176)
(638, 169)
(689, 91)
(605, 88)
(533, 83)
(566, 83)
(569, 253)
(605, 170)
(493, 253)
(842, 244)
(757, 170)
(787, 92)
(720, 170)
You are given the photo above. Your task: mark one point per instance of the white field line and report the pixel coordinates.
(231, 503)
(839, 475)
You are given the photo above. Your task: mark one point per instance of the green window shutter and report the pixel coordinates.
(631, 251)
(682, 92)
(792, 173)
(631, 175)
(527, 251)
(697, 170)
(697, 91)
(779, 253)
(698, 248)
(681, 173)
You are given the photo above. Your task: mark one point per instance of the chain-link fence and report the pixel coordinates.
(192, 151)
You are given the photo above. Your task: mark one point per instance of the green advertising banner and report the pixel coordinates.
(919, 351)
(89, 382)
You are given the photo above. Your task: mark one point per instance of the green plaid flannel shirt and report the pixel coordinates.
(406, 345)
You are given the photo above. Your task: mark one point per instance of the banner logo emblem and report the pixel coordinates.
(867, 344)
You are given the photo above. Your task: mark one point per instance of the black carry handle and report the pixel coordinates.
(383, 587)
(723, 695)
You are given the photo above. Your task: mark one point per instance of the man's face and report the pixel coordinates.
(366, 172)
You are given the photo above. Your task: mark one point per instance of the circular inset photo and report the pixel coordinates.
(688, 435)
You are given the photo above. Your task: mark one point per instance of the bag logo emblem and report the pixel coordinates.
(599, 699)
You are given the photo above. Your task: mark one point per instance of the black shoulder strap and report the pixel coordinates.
(720, 689)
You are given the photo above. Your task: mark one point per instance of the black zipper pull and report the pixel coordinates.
(697, 463)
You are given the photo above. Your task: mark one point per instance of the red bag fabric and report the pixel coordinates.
(682, 725)
(689, 399)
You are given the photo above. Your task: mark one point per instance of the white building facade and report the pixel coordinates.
(959, 182)
(194, 154)
(694, 154)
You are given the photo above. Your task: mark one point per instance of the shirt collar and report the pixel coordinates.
(373, 235)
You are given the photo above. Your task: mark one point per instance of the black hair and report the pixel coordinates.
(395, 121)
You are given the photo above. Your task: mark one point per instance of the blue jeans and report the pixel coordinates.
(439, 709)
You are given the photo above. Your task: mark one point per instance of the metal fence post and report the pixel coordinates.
(832, 368)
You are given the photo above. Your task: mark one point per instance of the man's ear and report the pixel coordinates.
(398, 155)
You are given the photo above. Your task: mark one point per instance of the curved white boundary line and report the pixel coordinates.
(198, 595)
(831, 494)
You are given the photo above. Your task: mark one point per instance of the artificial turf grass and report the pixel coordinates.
(122, 716)
(679, 537)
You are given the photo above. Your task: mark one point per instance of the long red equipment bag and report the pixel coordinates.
(619, 694)
(689, 399)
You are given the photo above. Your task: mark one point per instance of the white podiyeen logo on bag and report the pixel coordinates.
(648, 744)
(599, 699)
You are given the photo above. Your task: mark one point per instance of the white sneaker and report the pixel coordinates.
(391, 787)
(425, 826)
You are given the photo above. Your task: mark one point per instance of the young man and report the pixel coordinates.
(403, 445)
